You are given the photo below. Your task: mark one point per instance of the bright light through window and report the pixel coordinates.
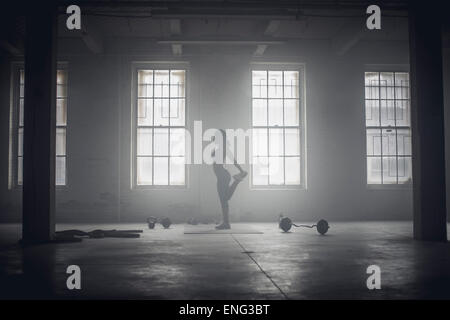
(388, 128)
(61, 127)
(160, 128)
(277, 125)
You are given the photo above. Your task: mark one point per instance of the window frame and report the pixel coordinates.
(156, 65)
(13, 178)
(302, 124)
(385, 69)
(65, 67)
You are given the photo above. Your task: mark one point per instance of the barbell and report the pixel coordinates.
(286, 224)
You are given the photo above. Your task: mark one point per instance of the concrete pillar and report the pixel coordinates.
(39, 123)
(427, 121)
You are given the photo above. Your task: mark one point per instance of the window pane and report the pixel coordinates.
(177, 83)
(60, 141)
(404, 166)
(389, 170)
(177, 142)
(259, 84)
(291, 112)
(372, 113)
(275, 112)
(177, 171)
(374, 170)
(161, 83)
(276, 170)
(21, 110)
(60, 173)
(259, 112)
(403, 113)
(402, 79)
(177, 117)
(386, 79)
(292, 170)
(161, 170)
(19, 170)
(161, 142)
(20, 142)
(260, 171)
(276, 142)
(372, 93)
(402, 93)
(275, 84)
(373, 142)
(291, 81)
(144, 170)
(22, 83)
(292, 142)
(145, 76)
(61, 77)
(61, 91)
(144, 141)
(389, 143)
(161, 112)
(61, 112)
(259, 142)
(371, 78)
(387, 112)
(145, 90)
(387, 92)
(145, 112)
(404, 142)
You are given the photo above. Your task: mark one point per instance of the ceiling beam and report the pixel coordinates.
(240, 5)
(220, 42)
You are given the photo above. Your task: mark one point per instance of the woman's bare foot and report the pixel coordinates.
(240, 176)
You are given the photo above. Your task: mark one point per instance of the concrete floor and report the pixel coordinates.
(168, 264)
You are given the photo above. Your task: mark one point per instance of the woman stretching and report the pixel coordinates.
(224, 189)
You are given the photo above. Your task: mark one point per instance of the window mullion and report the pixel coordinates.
(284, 131)
(153, 130)
(396, 138)
(381, 130)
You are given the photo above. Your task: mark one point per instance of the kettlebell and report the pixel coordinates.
(166, 223)
(151, 222)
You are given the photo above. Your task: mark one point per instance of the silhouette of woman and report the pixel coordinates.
(224, 189)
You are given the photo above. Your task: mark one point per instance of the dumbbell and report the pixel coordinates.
(151, 221)
(286, 224)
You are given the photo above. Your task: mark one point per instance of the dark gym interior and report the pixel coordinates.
(356, 118)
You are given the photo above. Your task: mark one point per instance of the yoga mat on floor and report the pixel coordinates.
(209, 229)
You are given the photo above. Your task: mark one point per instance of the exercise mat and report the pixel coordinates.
(209, 229)
(98, 233)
